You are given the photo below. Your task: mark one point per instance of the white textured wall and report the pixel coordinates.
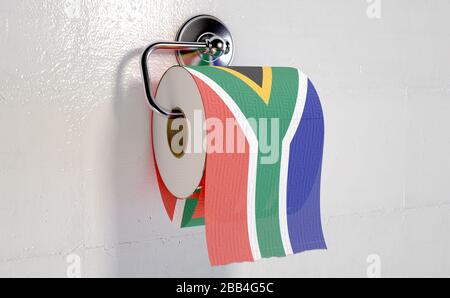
(75, 169)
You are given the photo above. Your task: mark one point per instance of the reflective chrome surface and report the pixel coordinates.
(198, 29)
(203, 40)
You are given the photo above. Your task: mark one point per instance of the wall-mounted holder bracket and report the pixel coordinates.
(203, 40)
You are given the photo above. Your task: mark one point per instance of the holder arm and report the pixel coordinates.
(211, 46)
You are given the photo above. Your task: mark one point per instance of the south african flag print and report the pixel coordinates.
(252, 208)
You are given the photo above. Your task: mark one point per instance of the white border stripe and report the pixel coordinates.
(284, 166)
(178, 212)
(253, 159)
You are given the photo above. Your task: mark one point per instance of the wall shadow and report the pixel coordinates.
(131, 138)
(148, 245)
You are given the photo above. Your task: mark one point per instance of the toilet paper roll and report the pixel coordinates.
(245, 158)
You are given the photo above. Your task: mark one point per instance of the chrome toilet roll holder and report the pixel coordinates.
(203, 40)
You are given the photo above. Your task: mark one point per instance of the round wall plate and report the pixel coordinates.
(199, 29)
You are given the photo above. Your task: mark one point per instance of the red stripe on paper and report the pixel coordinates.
(200, 207)
(226, 178)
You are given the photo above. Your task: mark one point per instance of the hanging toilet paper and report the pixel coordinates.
(245, 158)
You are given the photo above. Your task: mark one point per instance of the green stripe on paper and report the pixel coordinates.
(189, 209)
